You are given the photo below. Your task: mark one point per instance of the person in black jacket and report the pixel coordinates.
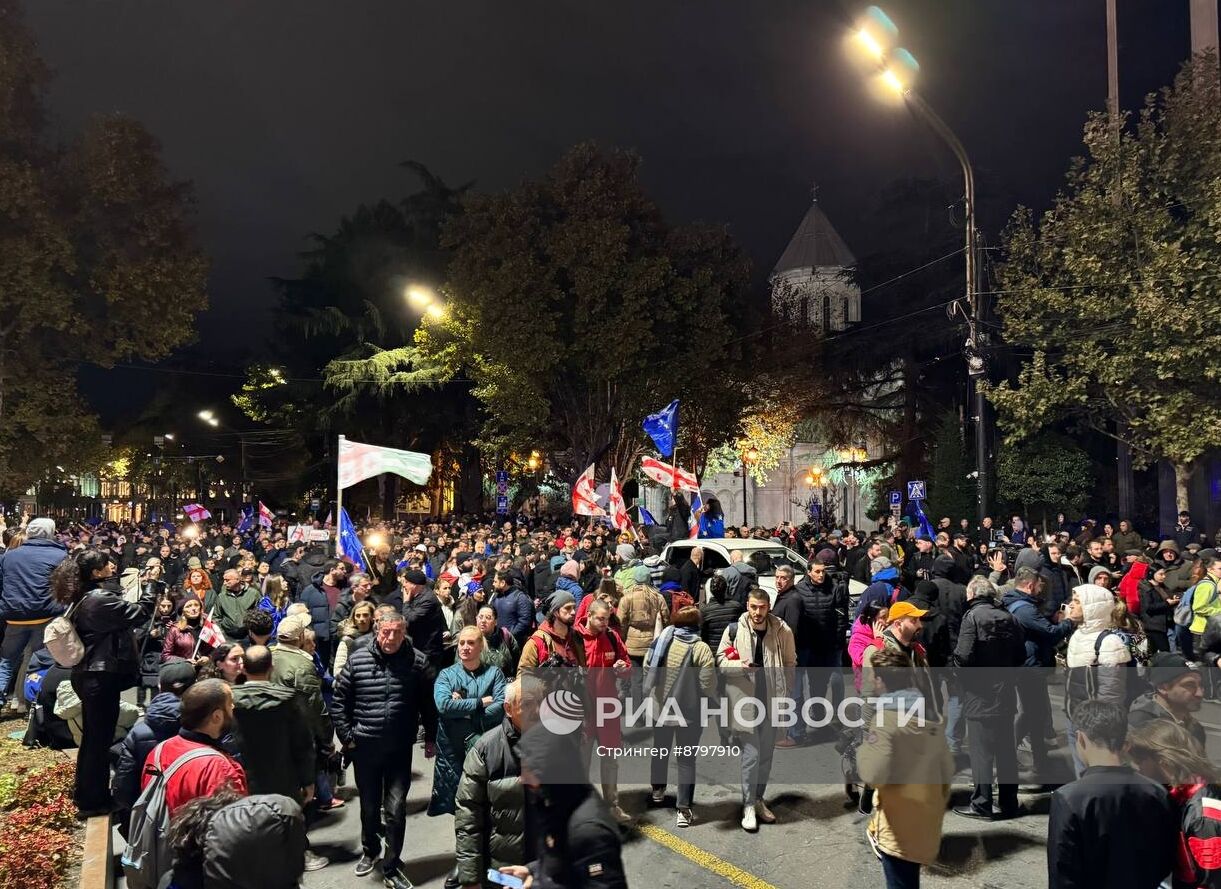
(716, 614)
(1056, 590)
(691, 575)
(377, 708)
(823, 633)
(1111, 827)
(576, 843)
(106, 624)
(989, 646)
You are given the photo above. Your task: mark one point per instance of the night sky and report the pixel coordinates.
(288, 113)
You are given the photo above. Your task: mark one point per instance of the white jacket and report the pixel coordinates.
(1097, 604)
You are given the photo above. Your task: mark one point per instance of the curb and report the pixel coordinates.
(97, 870)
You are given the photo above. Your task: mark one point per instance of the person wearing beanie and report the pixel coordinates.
(827, 556)
(160, 721)
(555, 636)
(569, 581)
(1178, 693)
(293, 666)
(626, 552)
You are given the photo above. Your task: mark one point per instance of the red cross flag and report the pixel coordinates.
(672, 477)
(585, 495)
(616, 506)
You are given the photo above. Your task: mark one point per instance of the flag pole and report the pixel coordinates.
(199, 638)
(338, 493)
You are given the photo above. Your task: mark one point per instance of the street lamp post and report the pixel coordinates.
(748, 459)
(974, 316)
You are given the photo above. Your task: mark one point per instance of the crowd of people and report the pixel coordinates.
(268, 673)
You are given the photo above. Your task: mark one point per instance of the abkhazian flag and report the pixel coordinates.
(693, 520)
(266, 516)
(615, 505)
(209, 633)
(196, 513)
(671, 477)
(585, 494)
(358, 462)
(348, 546)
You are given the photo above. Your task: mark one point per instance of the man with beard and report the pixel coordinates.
(205, 717)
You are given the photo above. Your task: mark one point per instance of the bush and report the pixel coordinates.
(36, 831)
(45, 786)
(32, 859)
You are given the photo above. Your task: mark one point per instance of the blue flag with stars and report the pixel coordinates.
(662, 427)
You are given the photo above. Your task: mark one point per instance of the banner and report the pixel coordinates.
(358, 462)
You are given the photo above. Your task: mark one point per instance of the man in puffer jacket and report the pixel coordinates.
(378, 699)
(1098, 657)
(489, 821)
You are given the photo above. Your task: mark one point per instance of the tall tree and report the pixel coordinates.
(1114, 292)
(98, 264)
(576, 310)
(1045, 475)
(950, 490)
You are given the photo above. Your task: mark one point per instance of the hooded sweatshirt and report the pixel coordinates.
(1097, 604)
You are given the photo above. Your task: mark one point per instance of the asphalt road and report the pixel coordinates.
(818, 840)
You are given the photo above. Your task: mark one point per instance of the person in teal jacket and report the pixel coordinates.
(470, 697)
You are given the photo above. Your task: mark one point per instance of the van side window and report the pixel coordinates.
(714, 561)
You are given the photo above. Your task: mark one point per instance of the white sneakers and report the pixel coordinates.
(684, 818)
(753, 814)
(749, 823)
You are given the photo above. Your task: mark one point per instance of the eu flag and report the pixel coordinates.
(662, 427)
(348, 545)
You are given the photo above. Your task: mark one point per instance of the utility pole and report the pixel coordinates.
(1203, 25)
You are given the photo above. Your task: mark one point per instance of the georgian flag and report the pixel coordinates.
(671, 477)
(585, 494)
(266, 516)
(196, 513)
(616, 506)
(209, 633)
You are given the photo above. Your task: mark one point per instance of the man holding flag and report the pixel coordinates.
(228, 606)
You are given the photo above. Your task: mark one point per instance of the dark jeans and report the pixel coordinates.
(383, 778)
(99, 694)
(900, 874)
(813, 666)
(1034, 713)
(20, 641)
(992, 747)
(669, 736)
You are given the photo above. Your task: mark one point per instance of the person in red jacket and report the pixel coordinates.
(205, 717)
(608, 662)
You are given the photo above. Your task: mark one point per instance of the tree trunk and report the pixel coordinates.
(1182, 484)
(470, 481)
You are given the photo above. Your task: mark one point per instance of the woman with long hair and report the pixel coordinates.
(357, 624)
(183, 637)
(226, 662)
(275, 599)
(106, 624)
(1165, 752)
(198, 583)
(712, 520)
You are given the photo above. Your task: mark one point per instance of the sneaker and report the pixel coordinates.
(785, 743)
(749, 823)
(315, 862)
(394, 879)
(765, 814)
(658, 797)
(365, 866)
(621, 816)
(684, 818)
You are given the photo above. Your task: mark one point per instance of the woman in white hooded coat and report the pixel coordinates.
(1098, 657)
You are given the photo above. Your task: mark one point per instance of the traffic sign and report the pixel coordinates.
(916, 491)
(502, 505)
(502, 483)
(896, 509)
(896, 499)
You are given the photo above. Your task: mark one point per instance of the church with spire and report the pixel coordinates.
(809, 286)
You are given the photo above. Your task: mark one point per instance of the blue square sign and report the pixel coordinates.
(915, 491)
(896, 499)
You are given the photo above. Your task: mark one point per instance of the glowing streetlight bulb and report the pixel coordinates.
(891, 79)
(420, 296)
(435, 310)
(205, 415)
(870, 44)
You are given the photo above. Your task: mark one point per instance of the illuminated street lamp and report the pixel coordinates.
(874, 37)
(749, 457)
